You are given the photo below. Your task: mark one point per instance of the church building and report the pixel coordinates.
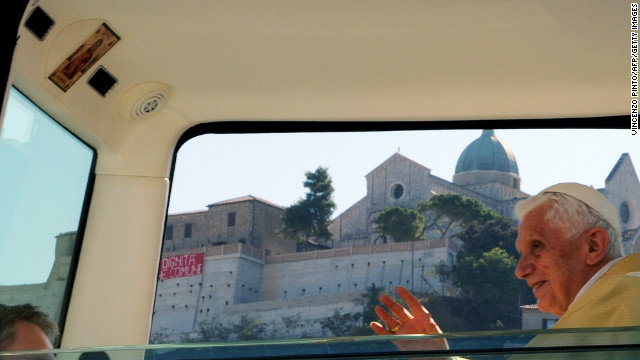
(487, 171)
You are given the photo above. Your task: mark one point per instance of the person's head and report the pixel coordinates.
(567, 233)
(24, 327)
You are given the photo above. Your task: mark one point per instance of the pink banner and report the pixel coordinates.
(178, 266)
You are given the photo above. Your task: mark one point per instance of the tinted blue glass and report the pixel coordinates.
(44, 172)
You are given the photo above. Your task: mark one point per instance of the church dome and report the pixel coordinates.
(487, 153)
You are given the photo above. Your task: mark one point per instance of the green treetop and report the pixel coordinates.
(311, 215)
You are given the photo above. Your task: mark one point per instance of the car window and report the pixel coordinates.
(44, 175)
(291, 235)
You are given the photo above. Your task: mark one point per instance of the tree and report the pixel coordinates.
(400, 223)
(484, 272)
(370, 299)
(248, 329)
(310, 216)
(291, 322)
(489, 281)
(482, 237)
(443, 272)
(208, 330)
(160, 337)
(341, 324)
(211, 330)
(445, 212)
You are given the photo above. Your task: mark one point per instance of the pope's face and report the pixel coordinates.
(549, 262)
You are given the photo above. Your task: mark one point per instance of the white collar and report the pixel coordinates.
(595, 277)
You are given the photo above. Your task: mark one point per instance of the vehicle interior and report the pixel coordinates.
(132, 81)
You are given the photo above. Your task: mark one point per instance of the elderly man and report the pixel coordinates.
(570, 248)
(24, 327)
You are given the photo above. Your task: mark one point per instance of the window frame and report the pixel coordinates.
(259, 127)
(83, 216)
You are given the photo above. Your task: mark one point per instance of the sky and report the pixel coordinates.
(44, 172)
(218, 167)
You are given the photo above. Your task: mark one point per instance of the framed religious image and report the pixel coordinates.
(87, 54)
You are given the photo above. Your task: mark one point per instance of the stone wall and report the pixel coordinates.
(49, 296)
(487, 177)
(267, 220)
(504, 208)
(622, 187)
(350, 228)
(398, 171)
(352, 269)
(247, 220)
(237, 274)
(311, 310)
(355, 226)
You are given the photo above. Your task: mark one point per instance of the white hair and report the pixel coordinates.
(573, 217)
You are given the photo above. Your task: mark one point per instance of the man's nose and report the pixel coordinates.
(524, 268)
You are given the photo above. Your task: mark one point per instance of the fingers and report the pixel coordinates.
(396, 309)
(389, 321)
(379, 329)
(418, 311)
(415, 307)
(399, 320)
(408, 297)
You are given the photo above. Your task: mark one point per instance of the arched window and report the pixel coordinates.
(397, 191)
(624, 212)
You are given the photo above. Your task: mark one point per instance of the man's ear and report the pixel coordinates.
(597, 242)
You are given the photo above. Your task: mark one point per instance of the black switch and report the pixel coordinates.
(102, 81)
(39, 23)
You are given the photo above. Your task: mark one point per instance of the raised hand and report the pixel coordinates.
(415, 320)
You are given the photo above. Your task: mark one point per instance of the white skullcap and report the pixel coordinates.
(590, 196)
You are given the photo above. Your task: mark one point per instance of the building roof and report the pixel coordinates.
(487, 153)
(622, 158)
(397, 156)
(245, 198)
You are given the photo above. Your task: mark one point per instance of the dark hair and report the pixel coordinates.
(94, 355)
(11, 314)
